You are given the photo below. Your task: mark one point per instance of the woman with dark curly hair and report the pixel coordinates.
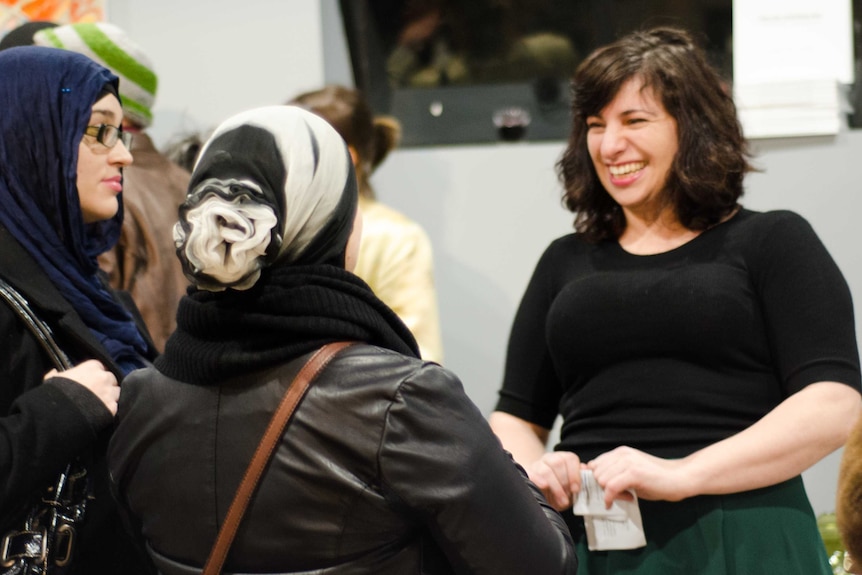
(701, 355)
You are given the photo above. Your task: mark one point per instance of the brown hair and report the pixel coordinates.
(848, 510)
(373, 137)
(705, 179)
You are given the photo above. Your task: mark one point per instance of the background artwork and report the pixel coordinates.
(13, 13)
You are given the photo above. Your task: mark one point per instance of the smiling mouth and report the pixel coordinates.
(626, 169)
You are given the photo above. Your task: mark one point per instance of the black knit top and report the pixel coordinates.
(669, 353)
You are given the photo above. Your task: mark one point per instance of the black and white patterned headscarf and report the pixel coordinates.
(263, 236)
(271, 184)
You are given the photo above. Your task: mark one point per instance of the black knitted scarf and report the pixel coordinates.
(290, 311)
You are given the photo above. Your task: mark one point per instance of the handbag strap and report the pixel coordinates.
(274, 431)
(35, 544)
(39, 328)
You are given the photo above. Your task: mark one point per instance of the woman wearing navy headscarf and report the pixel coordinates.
(62, 152)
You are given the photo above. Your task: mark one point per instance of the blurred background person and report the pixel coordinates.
(144, 261)
(701, 354)
(395, 254)
(185, 148)
(63, 151)
(848, 510)
(23, 34)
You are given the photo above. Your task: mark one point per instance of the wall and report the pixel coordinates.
(219, 57)
(490, 210)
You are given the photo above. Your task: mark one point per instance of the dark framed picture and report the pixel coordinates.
(458, 72)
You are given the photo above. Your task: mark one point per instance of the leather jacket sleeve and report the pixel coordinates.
(440, 459)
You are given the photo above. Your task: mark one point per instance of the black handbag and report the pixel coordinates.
(42, 541)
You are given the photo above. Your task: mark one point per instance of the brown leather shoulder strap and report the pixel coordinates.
(271, 436)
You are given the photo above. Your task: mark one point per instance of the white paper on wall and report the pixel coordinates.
(791, 58)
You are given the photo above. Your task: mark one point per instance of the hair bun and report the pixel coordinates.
(387, 135)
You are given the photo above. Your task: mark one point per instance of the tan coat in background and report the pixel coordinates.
(396, 260)
(144, 261)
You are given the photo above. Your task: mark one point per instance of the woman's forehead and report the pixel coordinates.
(107, 108)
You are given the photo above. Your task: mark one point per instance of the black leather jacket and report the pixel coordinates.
(386, 468)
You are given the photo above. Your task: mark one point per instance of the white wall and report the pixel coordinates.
(490, 210)
(219, 57)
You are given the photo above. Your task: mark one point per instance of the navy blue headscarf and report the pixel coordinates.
(46, 100)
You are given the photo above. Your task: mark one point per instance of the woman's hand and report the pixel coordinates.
(792, 437)
(93, 375)
(626, 468)
(558, 476)
(789, 439)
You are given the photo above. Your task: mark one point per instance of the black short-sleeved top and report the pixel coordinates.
(672, 352)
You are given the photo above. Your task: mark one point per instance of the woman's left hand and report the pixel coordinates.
(795, 435)
(626, 468)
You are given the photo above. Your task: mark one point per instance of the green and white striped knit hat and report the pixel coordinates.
(112, 48)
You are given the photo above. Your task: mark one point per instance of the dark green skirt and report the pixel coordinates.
(763, 532)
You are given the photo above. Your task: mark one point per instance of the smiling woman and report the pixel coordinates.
(685, 341)
(633, 142)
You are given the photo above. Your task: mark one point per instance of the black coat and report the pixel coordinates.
(387, 466)
(45, 425)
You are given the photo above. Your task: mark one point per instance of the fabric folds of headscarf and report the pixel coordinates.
(272, 184)
(46, 97)
(263, 235)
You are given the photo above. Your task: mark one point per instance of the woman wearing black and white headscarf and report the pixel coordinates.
(387, 467)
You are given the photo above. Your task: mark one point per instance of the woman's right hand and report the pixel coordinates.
(558, 475)
(93, 375)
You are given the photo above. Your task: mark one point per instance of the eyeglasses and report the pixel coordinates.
(109, 135)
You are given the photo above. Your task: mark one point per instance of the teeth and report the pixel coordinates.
(626, 168)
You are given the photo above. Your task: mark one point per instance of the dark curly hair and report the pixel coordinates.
(705, 180)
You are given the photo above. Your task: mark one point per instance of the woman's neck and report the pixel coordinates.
(661, 233)
(655, 233)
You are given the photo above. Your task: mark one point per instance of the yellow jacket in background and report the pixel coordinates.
(396, 260)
